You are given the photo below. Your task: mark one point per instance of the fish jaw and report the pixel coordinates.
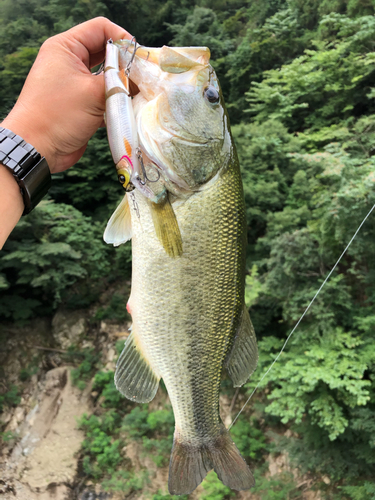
(179, 129)
(158, 70)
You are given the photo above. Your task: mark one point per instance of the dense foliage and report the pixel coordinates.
(298, 78)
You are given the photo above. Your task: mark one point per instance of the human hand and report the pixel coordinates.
(62, 103)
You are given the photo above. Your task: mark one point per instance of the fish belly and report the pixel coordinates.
(186, 310)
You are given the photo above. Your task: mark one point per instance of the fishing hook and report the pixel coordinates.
(127, 69)
(99, 70)
(140, 158)
(136, 47)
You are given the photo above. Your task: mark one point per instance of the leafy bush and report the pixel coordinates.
(154, 428)
(160, 449)
(325, 378)
(361, 492)
(115, 310)
(49, 251)
(161, 496)
(249, 438)
(111, 397)
(102, 451)
(126, 482)
(140, 421)
(10, 398)
(135, 423)
(8, 436)
(277, 487)
(324, 86)
(214, 489)
(84, 371)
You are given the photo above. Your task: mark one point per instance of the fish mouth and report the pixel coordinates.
(133, 88)
(147, 65)
(154, 71)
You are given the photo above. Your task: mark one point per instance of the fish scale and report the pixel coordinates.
(188, 312)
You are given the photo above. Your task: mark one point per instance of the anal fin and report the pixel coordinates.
(243, 357)
(166, 227)
(134, 377)
(119, 227)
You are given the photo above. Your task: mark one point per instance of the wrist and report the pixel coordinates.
(10, 190)
(30, 134)
(11, 203)
(28, 168)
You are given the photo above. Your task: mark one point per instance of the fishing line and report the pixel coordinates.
(301, 318)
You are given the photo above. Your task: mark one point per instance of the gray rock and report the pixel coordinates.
(68, 327)
(91, 495)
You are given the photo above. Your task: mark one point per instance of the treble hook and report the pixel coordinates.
(127, 69)
(140, 158)
(136, 47)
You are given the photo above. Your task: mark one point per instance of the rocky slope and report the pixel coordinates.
(41, 456)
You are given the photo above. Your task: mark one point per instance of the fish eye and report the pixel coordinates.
(211, 94)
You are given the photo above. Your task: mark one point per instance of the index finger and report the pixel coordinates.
(88, 39)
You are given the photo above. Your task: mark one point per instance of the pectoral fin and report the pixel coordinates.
(119, 227)
(134, 377)
(243, 358)
(166, 227)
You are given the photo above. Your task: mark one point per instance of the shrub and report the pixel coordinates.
(101, 449)
(57, 254)
(112, 398)
(214, 489)
(249, 438)
(83, 373)
(10, 398)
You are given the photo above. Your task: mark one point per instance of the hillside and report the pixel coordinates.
(297, 77)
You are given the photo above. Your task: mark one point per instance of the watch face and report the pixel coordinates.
(30, 170)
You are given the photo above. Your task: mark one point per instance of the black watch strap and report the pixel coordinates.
(29, 169)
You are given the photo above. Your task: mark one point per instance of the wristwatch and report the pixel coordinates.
(28, 167)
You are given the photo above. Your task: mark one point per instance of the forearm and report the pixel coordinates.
(11, 200)
(60, 107)
(11, 204)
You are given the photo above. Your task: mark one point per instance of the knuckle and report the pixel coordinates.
(47, 44)
(101, 20)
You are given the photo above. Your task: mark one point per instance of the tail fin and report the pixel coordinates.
(190, 463)
(230, 467)
(188, 467)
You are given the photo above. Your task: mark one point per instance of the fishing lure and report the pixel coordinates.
(127, 156)
(123, 142)
(121, 128)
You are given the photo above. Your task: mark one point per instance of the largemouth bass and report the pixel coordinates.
(188, 245)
